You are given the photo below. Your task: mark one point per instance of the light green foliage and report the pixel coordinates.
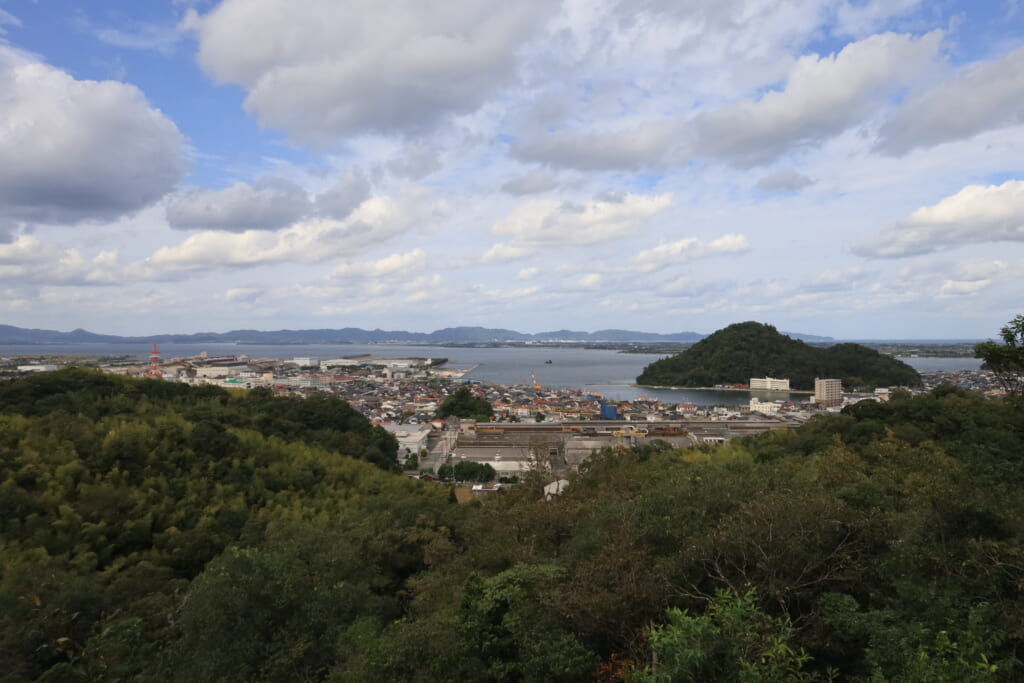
(732, 641)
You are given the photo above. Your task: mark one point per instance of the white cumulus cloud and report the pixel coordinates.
(974, 215)
(324, 69)
(312, 241)
(784, 180)
(823, 97)
(389, 266)
(504, 251)
(75, 150)
(532, 182)
(344, 196)
(28, 260)
(962, 287)
(552, 221)
(686, 249)
(654, 144)
(981, 270)
(983, 96)
(267, 204)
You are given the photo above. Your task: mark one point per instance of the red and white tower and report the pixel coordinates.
(154, 364)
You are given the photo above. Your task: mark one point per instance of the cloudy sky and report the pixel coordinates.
(852, 168)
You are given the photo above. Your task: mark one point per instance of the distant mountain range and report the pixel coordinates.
(354, 335)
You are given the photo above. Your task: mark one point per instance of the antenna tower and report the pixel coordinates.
(154, 363)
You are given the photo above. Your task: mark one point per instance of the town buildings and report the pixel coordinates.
(764, 407)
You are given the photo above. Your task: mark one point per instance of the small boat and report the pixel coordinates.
(547, 362)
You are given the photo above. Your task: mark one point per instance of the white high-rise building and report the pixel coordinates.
(828, 392)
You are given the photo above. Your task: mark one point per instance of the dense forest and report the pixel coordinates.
(156, 532)
(738, 352)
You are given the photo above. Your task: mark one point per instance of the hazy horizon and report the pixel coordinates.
(949, 340)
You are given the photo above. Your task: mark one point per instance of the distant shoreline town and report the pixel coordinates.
(403, 394)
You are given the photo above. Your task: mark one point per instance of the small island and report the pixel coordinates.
(738, 352)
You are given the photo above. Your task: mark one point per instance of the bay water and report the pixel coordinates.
(607, 372)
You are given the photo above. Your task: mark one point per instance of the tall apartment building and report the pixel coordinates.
(828, 392)
(769, 383)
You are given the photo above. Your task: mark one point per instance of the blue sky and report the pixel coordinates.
(841, 167)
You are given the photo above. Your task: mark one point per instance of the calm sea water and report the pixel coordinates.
(597, 370)
(944, 364)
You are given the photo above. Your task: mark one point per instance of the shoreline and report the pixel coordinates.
(748, 390)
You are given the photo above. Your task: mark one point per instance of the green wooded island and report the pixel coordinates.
(738, 352)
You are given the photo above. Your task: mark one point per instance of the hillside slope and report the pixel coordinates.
(738, 352)
(154, 532)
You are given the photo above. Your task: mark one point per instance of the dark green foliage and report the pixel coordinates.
(277, 612)
(321, 419)
(511, 630)
(464, 404)
(115, 494)
(738, 352)
(167, 538)
(473, 471)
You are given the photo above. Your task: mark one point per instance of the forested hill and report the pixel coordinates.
(116, 493)
(153, 532)
(738, 352)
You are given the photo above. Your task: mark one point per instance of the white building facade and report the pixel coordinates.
(769, 383)
(764, 407)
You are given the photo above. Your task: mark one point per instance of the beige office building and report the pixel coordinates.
(828, 392)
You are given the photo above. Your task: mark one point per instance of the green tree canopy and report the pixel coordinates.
(1006, 359)
(744, 350)
(463, 403)
(466, 470)
(151, 532)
